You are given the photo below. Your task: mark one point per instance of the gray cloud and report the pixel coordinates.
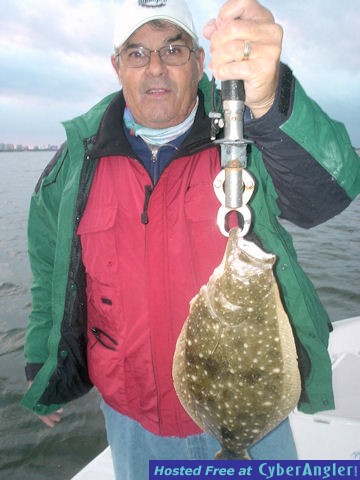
(54, 57)
(323, 33)
(83, 26)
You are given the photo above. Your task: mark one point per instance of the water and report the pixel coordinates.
(28, 450)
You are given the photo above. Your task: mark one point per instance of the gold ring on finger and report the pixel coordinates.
(247, 50)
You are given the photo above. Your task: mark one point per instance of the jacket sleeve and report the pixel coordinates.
(42, 227)
(314, 168)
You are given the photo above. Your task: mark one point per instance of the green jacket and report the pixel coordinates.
(55, 348)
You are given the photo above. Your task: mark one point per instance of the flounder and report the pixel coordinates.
(235, 367)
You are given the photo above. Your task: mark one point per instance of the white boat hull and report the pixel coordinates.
(335, 434)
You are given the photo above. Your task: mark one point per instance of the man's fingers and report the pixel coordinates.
(52, 419)
(246, 10)
(209, 28)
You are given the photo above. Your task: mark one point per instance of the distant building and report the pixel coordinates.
(9, 147)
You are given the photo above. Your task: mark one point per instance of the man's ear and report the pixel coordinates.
(116, 65)
(201, 60)
(115, 62)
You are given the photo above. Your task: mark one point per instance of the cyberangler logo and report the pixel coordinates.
(152, 3)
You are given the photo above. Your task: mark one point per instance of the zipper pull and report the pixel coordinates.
(154, 153)
(144, 215)
(154, 158)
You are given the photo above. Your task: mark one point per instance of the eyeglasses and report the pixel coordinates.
(171, 55)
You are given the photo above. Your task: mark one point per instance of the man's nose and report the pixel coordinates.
(156, 65)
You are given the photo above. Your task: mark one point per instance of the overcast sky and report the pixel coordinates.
(55, 59)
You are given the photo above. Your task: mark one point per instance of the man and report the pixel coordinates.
(122, 225)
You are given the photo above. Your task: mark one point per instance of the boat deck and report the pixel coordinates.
(98, 469)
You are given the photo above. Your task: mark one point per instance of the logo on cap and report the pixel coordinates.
(152, 3)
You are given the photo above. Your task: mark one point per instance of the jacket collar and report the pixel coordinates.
(110, 138)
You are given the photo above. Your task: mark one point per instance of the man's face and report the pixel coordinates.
(158, 95)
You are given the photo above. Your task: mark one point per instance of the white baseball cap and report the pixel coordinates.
(132, 14)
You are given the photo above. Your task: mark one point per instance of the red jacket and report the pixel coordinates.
(141, 278)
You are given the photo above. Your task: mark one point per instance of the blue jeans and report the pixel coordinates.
(132, 446)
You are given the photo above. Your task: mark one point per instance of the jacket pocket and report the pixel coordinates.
(105, 349)
(98, 240)
(105, 312)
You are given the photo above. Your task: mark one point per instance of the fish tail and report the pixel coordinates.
(225, 454)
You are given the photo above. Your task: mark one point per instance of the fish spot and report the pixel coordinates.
(226, 434)
(253, 376)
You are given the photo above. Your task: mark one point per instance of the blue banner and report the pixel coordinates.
(254, 469)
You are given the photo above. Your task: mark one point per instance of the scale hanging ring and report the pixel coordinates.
(245, 213)
(248, 186)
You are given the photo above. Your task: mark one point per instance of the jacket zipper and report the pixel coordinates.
(149, 188)
(154, 157)
(154, 152)
(148, 191)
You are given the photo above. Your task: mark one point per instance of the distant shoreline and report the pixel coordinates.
(55, 148)
(33, 150)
